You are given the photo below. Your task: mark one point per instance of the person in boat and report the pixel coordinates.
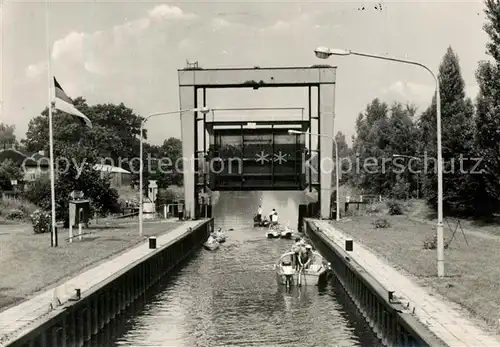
(259, 214)
(306, 256)
(273, 217)
(297, 249)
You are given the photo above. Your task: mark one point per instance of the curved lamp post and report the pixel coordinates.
(325, 52)
(203, 110)
(336, 165)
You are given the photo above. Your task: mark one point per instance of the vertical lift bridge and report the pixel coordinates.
(193, 83)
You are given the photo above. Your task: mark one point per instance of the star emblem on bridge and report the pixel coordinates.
(280, 157)
(262, 157)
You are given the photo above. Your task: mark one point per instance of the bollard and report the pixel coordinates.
(165, 211)
(391, 295)
(80, 231)
(348, 245)
(152, 242)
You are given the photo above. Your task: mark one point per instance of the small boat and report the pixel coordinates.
(288, 275)
(286, 233)
(260, 223)
(211, 244)
(219, 236)
(273, 233)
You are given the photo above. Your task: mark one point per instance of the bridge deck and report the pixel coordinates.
(450, 325)
(19, 319)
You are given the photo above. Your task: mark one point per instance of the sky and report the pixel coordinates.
(129, 51)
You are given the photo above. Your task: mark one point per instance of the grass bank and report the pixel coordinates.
(473, 274)
(29, 264)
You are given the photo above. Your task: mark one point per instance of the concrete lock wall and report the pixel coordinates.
(385, 317)
(78, 321)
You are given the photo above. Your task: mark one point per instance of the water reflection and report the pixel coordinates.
(230, 297)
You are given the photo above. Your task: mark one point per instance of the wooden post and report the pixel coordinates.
(70, 231)
(80, 215)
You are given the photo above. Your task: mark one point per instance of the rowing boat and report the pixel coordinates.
(211, 244)
(290, 275)
(220, 236)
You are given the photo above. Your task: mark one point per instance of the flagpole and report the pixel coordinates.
(51, 140)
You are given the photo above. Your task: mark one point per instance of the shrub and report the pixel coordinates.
(15, 208)
(38, 193)
(381, 224)
(41, 221)
(102, 197)
(395, 207)
(14, 215)
(169, 195)
(374, 208)
(431, 243)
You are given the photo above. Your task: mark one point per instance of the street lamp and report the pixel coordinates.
(336, 164)
(203, 110)
(324, 53)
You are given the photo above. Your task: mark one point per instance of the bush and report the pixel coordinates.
(431, 243)
(102, 197)
(169, 195)
(38, 193)
(15, 208)
(381, 224)
(395, 207)
(14, 215)
(375, 208)
(41, 221)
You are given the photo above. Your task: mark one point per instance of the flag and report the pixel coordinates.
(64, 103)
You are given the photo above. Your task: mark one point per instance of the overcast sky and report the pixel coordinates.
(124, 51)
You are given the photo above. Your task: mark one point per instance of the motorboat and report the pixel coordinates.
(286, 233)
(211, 244)
(273, 233)
(220, 236)
(260, 222)
(289, 275)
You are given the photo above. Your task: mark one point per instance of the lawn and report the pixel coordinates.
(29, 264)
(472, 271)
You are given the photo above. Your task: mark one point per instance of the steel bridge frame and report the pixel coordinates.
(192, 80)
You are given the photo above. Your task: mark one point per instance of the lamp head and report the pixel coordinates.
(325, 52)
(322, 52)
(294, 132)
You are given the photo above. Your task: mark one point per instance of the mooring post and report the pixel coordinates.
(152, 242)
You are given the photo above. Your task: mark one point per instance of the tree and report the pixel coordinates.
(115, 132)
(457, 127)
(369, 147)
(166, 164)
(114, 137)
(382, 132)
(488, 116)
(9, 171)
(402, 141)
(7, 136)
(344, 157)
(79, 176)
